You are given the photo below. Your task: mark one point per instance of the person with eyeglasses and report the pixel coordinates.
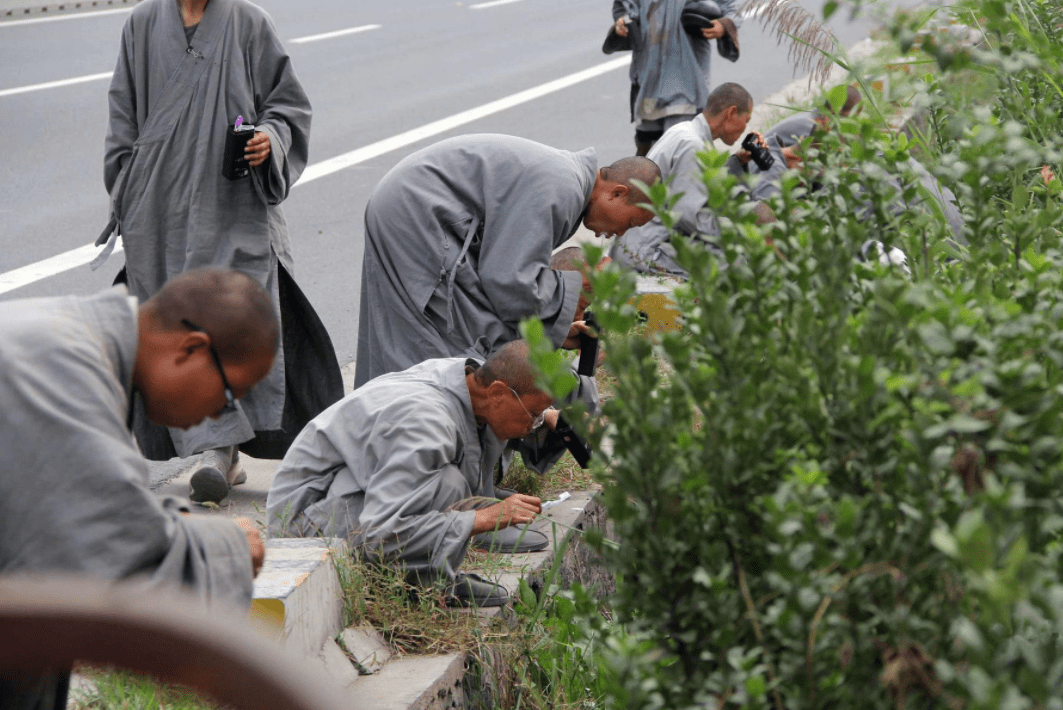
(74, 495)
(391, 466)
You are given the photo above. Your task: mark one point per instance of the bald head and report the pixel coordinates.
(852, 99)
(626, 170)
(510, 365)
(568, 259)
(725, 96)
(232, 308)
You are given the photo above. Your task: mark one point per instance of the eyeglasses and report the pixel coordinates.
(230, 399)
(537, 421)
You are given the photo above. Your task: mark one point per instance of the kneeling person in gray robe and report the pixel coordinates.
(74, 496)
(726, 116)
(387, 467)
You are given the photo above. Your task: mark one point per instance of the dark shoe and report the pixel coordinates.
(214, 476)
(470, 590)
(514, 539)
(503, 493)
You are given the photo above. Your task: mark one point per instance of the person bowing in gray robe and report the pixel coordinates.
(458, 239)
(187, 72)
(74, 496)
(391, 466)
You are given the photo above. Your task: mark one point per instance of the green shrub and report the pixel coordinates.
(844, 492)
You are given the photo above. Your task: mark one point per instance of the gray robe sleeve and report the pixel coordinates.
(404, 516)
(122, 128)
(74, 497)
(624, 7)
(692, 217)
(384, 482)
(284, 114)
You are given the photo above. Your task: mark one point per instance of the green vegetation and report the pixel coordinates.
(844, 493)
(120, 690)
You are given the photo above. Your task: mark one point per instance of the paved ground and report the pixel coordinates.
(413, 63)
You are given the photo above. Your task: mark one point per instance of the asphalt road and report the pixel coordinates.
(427, 60)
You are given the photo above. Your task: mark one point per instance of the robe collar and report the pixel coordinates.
(701, 127)
(210, 29)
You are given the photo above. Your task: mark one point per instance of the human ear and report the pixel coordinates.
(189, 344)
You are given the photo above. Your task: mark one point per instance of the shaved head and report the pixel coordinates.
(568, 259)
(509, 364)
(230, 307)
(727, 95)
(852, 98)
(625, 170)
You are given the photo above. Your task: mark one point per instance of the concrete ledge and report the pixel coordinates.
(413, 683)
(298, 593)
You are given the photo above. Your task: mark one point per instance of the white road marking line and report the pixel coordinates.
(81, 256)
(25, 275)
(337, 33)
(72, 16)
(55, 84)
(493, 3)
(332, 165)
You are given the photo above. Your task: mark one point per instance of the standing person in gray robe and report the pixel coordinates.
(74, 496)
(647, 248)
(670, 67)
(389, 466)
(458, 239)
(188, 71)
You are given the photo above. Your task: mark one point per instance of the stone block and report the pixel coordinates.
(298, 594)
(367, 648)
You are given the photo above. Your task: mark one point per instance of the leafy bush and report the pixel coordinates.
(838, 485)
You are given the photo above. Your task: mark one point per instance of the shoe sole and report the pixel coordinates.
(208, 485)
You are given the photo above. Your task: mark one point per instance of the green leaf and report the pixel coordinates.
(756, 687)
(837, 95)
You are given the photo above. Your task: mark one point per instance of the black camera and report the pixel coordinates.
(573, 442)
(761, 155)
(588, 347)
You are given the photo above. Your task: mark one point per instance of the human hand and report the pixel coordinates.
(793, 160)
(1047, 175)
(620, 26)
(514, 510)
(258, 548)
(257, 149)
(744, 156)
(578, 327)
(713, 31)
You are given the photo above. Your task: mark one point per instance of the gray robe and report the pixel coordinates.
(74, 495)
(171, 102)
(458, 238)
(669, 70)
(932, 197)
(381, 466)
(647, 248)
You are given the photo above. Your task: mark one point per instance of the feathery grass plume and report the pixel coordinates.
(812, 46)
